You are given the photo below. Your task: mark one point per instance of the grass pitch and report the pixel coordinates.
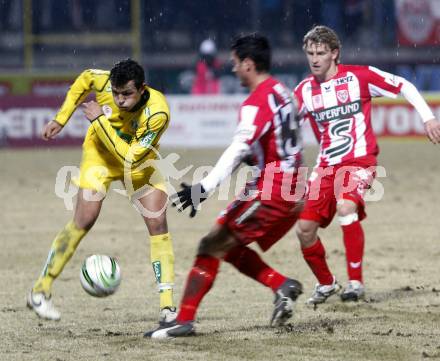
(399, 320)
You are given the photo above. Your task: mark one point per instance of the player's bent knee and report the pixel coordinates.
(156, 225)
(346, 207)
(348, 219)
(306, 229)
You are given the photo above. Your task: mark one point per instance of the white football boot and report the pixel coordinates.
(322, 292)
(354, 291)
(172, 330)
(167, 315)
(42, 306)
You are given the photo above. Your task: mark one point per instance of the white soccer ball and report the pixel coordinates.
(100, 275)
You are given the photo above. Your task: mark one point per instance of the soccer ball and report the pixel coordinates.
(100, 275)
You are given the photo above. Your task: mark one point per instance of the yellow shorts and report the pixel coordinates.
(99, 168)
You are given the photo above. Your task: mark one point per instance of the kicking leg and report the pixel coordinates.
(62, 249)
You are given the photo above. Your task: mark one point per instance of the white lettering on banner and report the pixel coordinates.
(40, 121)
(39, 116)
(77, 126)
(27, 123)
(418, 124)
(206, 121)
(3, 122)
(399, 121)
(20, 124)
(378, 121)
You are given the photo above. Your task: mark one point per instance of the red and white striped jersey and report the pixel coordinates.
(268, 123)
(267, 136)
(340, 111)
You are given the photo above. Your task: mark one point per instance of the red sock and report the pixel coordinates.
(248, 262)
(354, 249)
(315, 258)
(199, 282)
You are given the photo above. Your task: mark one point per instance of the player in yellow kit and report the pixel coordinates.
(127, 120)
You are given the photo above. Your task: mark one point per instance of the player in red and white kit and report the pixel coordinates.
(267, 137)
(336, 99)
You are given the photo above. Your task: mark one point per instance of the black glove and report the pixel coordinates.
(189, 196)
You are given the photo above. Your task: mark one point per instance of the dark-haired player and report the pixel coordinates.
(267, 137)
(126, 122)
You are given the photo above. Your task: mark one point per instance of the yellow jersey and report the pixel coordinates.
(127, 135)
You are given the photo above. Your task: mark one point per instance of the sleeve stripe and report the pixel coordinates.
(109, 138)
(103, 87)
(159, 134)
(148, 126)
(151, 116)
(85, 90)
(76, 105)
(80, 96)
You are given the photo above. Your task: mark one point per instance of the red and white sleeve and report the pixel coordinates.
(386, 84)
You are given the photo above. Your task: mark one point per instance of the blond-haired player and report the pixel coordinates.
(336, 98)
(126, 122)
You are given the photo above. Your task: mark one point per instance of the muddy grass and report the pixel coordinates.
(399, 319)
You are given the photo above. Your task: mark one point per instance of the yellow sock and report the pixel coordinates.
(62, 249)
(162, 260)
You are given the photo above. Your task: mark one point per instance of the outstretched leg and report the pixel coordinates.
(62, 249)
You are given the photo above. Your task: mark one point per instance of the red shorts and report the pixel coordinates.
(328, 185)
(264, 222)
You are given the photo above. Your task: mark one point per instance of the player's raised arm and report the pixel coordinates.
(432, 125)
(77, 93)
(74, 97)
(386, 84)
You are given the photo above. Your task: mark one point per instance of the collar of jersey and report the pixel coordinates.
(142, 101)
